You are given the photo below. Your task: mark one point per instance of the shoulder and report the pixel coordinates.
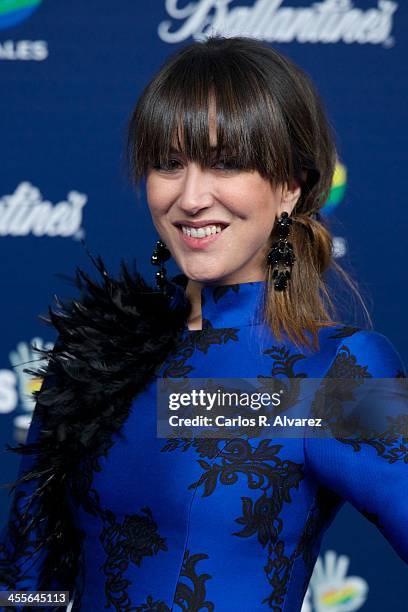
(109, 341)
(365, 353)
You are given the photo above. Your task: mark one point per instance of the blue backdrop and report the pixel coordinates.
(70, 73)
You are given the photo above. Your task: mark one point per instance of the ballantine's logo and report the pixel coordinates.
(25, 212)
(329, 21)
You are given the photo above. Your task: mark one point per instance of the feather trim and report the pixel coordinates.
(110, 342)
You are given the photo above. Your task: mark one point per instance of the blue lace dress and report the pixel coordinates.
(210, 524)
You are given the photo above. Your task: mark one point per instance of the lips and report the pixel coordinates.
(197, 244)
(197, 224)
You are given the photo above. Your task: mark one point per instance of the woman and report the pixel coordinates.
(238, 158)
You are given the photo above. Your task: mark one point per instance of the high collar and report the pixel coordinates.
(222, 305)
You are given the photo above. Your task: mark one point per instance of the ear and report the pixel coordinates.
(289, 198)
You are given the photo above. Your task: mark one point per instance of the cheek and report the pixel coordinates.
(257, 213)
(253, 196)
(258, 219)
(156, 198)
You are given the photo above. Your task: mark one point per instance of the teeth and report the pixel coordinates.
(201, 232)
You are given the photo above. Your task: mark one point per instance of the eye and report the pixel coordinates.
(229, 163)
(226, 163)
(168, 166)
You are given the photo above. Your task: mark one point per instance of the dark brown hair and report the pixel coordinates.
(270, 118)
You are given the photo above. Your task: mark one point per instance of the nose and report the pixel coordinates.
(196, 190)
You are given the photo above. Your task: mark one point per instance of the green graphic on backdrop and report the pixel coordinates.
(13, 12)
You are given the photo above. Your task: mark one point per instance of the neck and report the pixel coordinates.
(193, 292)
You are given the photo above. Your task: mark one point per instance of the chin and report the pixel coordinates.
(201, 277)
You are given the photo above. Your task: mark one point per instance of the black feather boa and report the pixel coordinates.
(110, 342)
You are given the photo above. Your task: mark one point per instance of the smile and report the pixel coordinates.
(201, 232)
(197, 238)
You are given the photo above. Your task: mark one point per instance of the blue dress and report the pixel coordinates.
(233, 524)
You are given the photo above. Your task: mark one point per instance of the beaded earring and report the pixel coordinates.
(159, 256)
(281, 256)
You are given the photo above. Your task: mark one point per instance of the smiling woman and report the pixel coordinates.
(230, 134)
(238, 158)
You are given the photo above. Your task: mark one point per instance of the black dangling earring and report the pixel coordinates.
(281, 256)
(160, 255)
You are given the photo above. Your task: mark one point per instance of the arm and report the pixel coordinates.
(371, 473)
(20, 559)
(27, 562)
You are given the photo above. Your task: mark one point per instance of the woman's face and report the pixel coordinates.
(241, 202)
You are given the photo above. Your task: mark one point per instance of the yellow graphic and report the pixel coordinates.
(337, 190)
